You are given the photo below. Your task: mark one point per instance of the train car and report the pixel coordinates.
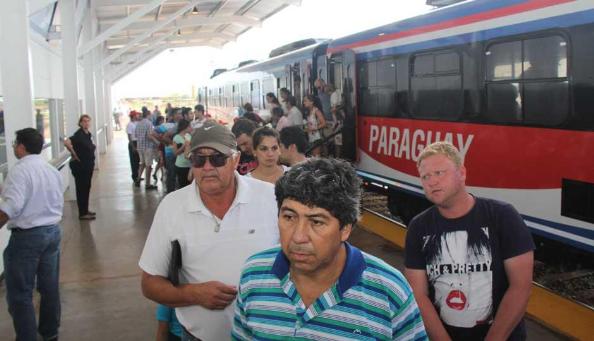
(291, 66)
(508, 82)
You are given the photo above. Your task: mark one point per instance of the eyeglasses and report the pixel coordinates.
(216, 160)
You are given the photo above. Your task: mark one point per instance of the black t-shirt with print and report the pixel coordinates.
(464, 258)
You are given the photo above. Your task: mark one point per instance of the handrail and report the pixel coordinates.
(61, 161)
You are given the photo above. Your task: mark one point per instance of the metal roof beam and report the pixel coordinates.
(155, 27)
(100, 3)
(199, 21)
(82, 10)
(121, 71)
(119, 26)
(148, 45)
(205, 35)
(36, 5)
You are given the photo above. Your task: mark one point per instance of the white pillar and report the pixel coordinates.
(15, 70)
(102, 113)
(89, 86)
(70, 71)
(69, 65)
(109, 105)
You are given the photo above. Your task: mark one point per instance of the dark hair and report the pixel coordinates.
(260, 133)
(243, 126)
(277, 111)
(182, 124)
(82, 117)
(248, 107)
(284, 91)
(31, 139)
(160, 119)
(330, 184)
(294, 135)
(186, 111)
(315, 100)
(199, 107)
(292, 101)
(273, 96)
(145, 113)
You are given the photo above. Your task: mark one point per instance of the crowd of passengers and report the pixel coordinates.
(160, 142)
(251, 243)
(254, 188)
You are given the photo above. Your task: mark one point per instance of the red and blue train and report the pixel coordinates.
(509, 82)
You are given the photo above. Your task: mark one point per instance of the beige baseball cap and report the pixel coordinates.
(215, 136)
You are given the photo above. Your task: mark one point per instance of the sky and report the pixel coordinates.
(177, 70)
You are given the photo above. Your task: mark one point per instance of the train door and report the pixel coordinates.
(341, 73)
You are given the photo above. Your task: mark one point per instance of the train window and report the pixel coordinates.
(447, 63)
(377, 86)
(545, 58)
(504, 61)
(436, 86)
(527, 81)
(387, 73)
(546, 103)
(423, 65)
(504, 103)
(363, 74)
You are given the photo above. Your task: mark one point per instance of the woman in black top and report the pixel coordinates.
(82, 148)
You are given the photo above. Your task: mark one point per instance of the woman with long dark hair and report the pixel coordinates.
(267, 151)
(82, 164)
(315, 121)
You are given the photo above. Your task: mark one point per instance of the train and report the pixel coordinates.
(508, 82)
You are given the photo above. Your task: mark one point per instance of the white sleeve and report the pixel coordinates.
(156, 254)
(14, 193)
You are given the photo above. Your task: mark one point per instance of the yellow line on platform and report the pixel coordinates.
(560, 314)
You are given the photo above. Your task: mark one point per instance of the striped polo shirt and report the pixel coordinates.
(370, 301)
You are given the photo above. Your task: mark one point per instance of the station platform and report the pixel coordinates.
(100, 277)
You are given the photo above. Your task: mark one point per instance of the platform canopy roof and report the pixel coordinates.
(130, 32)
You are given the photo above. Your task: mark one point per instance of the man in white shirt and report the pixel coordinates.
(219, 221)
(132, 145)
(295, 117)
(31, 202)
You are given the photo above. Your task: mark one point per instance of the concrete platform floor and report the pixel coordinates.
(100, 278)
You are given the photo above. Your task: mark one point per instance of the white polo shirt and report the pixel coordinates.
(249, 226)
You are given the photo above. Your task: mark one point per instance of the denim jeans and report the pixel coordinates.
(32, 254)
(170, 181)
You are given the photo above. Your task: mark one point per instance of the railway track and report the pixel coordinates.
(561, 300)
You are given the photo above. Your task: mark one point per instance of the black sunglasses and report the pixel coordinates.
(216, 160)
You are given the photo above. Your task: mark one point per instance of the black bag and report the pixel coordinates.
(175, 264)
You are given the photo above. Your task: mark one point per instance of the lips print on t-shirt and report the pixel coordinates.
(461, 275)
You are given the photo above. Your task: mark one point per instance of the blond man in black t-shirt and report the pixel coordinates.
(469, 260)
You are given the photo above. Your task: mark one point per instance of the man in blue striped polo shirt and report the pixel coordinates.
(316, 285)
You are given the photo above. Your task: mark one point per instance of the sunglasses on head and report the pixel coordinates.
(216, 160)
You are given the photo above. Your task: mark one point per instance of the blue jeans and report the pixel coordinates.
(32, 254)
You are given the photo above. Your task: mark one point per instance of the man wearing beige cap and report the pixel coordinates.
(218, 221)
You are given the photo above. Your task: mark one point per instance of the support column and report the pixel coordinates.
(15, 70)
(89, 86)
(69, 65)
(109, 105)
(103, 114)
(70, 71)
